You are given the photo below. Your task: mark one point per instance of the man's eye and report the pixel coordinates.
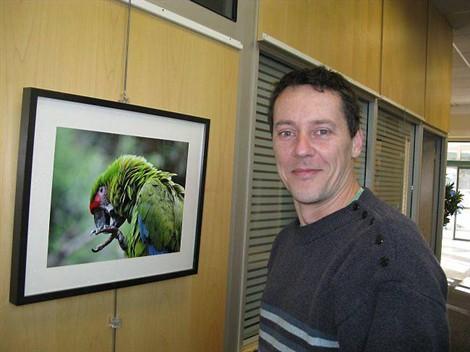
(323, 132)
(285, 133)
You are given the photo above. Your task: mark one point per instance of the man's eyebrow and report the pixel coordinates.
(323, 122)
(283, 122)
(314, 122)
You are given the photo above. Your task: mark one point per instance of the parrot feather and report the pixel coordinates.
(131, 189)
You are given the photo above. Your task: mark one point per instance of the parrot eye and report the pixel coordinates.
(102, 189)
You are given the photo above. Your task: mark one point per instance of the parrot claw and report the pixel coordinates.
(100, 247)
(115, 233)
(105, 243)
(102, 229)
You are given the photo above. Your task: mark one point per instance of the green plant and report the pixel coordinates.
(452, 202)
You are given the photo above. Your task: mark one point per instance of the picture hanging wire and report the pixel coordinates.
(124, 97)
(115, 321)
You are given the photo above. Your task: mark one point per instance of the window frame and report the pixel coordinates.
(234, 9)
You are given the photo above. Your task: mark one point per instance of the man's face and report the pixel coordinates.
(312, 145)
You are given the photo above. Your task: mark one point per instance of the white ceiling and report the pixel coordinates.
(457, 13)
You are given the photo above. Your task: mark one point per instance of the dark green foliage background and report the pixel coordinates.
(80, 157)
(452, 204)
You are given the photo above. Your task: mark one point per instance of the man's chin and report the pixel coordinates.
(306, 199)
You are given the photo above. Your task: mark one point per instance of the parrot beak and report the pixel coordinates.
(101, 217)
(106, 221)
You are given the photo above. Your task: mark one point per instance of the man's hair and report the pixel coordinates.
(321, 79)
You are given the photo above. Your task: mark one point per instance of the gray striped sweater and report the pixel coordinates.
(360, 279)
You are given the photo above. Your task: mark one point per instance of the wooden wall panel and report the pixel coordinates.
(438, 71)
(404, 53)
(459, 127)
(77, 46)
(343, 34)
(73, 46)
(172, 68)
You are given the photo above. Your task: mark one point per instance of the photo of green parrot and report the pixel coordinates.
(132, 189)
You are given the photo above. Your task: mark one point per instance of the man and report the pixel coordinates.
(351, 274)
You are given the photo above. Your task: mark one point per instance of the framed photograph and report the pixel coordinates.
(108, 195)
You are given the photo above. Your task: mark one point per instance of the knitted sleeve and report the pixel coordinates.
(397, 319)
(399, 290)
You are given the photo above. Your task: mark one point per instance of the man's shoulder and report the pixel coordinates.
(396, 249)
(388, 219)
(287, 231)
(396, 232)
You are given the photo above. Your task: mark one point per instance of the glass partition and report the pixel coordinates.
(455, 257)
(393, 162)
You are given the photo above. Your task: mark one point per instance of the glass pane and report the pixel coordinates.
(451, 177)
(455, 258)
(452, 156)
(360, 163)
(226, 8)
(393, 160)
(458, 151)
(430, 160)
(462, 225)
(462, 219)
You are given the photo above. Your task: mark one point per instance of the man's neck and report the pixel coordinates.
(310, 213)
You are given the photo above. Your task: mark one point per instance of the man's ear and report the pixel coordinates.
(357, 143)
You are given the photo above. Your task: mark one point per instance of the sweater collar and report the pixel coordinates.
(354, 211)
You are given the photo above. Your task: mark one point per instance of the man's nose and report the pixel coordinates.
(304, 145)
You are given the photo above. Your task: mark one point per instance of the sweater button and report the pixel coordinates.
(379, 240)
(384, 261)
(355, 206)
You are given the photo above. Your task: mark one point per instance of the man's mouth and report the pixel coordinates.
(304, 172)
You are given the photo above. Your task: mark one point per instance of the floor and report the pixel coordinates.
(455, 260)
(455, 256)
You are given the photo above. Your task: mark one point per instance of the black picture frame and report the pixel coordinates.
(64, 134)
